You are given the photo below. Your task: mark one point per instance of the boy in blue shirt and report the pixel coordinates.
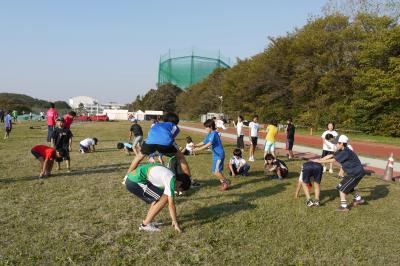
(161, 139)
(214, 141)
(8, 125)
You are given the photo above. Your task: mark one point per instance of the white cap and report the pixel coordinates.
(343, 139)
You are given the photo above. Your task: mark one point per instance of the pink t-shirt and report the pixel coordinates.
(68, 119)
(52, 116)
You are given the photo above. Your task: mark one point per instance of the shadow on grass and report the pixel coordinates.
(212, 213)
(375, 193)
(12, 180)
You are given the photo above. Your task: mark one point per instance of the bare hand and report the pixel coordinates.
(176, 227)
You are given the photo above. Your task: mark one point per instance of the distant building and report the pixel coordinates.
(92, 106)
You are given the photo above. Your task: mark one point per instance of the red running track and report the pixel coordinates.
(374, 150)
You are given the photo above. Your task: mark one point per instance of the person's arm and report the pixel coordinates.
(273, 168)
(198, 145)
(172, 213)
(93, 148)
(231, 168)
(70, 144)
(202, 147)
(45, 164)
(327, 159)
(130, 135)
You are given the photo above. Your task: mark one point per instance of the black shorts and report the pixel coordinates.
(148, 149)
(129, 149)
(311, 171)
(8, 129)
(149, 193)
(325, 153)
(240, 142)
(290, 143)
(284, 172)
(348, 184)
(36, 154)
(254, 141)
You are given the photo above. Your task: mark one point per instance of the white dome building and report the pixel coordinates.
(87, 101)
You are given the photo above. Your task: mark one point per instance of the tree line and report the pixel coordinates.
(337, 68)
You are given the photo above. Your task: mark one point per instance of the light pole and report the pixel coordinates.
(221, 99)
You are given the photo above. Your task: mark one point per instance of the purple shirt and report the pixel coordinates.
(7, 121)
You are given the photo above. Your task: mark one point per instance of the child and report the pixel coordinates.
(188, 150)
(311, 172)
(332, 139)
(327, 147)
(237, 165)
(46, 156)
(271, 132)
(126, 146)
(353, 168)
(87, 145)
(62, 139)
(253, 136)
(240, 135)
(161, 138)
(290, 130)
(213, 140)
(69, 119)
(8, 125)
(271, 164)
(136, 132)
(155, 185)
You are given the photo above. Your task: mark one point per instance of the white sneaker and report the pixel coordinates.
(124, 180)
(331, 171)
(251, 159)
(324, 169)
(149, 228)
(157, 223)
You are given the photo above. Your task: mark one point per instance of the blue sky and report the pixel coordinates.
(110, 50)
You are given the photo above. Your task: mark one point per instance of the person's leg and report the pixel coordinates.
(272, 149)
(68, 161)
(306, 190)
(58, 166)
(155, 208)
(184, 165)
(317, 190)
(138, 158)
(278, 172)
(49, 167)
(245, 170)
(298, 188)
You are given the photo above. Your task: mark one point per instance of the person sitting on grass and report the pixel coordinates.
(161, 138)
(275, 166)
(188, 150)
(310, 172)
(213, 140)
(87, 145)
(237, 165)
(352, 166)
(46, 156)
(155, 185)
(126, 146)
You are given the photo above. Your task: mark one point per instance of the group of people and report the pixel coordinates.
(156, 184)
(59, 138)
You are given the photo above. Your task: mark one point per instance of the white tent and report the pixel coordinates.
(139, 115)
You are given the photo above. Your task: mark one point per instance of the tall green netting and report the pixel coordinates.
(187, 67)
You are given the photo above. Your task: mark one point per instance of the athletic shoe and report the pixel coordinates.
(224, 186)
(343, 209)
(81, 151)
(251, 159)
(309, 203)
(157, 223)
(324, 169)
(149, 228)
(317, 203)
(331, 171)
(358, 202)
(124, 180)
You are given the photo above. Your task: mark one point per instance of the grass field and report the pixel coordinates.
(88, 217)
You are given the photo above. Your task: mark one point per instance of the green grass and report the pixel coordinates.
(88, 217)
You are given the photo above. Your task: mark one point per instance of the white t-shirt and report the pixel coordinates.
(190, 146)
(87, 142)
(238, 162)
(162, 177)
(239, 129)
(220, 124)
(254, 129)
(327, 146)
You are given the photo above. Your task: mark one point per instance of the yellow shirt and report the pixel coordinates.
(272, 131)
